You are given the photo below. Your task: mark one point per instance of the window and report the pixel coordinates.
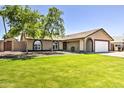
(37, 45)
(55, 45)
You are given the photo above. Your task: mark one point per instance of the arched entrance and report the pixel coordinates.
(37, 45)
(89, 45)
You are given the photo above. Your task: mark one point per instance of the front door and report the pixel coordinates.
(55, 45)
(8, 46)
(64, 45)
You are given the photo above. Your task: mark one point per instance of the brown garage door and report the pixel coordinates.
(8, 46)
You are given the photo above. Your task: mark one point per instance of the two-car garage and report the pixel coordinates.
(98, 41)
(97, 45)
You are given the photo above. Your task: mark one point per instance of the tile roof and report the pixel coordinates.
(47, 38)
(75, 35)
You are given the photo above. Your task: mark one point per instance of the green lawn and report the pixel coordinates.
(81, 70)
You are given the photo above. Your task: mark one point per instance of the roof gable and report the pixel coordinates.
(103, 32)
(85, 34)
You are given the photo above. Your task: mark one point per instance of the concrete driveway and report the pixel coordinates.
(116, 54)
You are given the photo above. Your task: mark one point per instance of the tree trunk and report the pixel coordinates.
(24, 36)
(4, 25)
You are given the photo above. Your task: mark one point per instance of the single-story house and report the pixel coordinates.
(118, 43)
(96, 40)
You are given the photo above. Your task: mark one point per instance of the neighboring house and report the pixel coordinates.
(97, 40)
(118, 43)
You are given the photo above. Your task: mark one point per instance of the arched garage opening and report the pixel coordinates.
(89, 45)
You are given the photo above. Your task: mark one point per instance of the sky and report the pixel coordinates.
(79, 18)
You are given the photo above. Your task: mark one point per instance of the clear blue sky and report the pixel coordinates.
(82, 18)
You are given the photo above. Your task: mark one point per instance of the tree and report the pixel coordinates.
(25, 22)
(54, 24)
(21, 19)
(8, 13)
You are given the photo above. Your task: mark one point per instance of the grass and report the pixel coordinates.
(81, 70)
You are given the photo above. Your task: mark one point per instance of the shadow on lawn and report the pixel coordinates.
(30, 55)
(17, 57)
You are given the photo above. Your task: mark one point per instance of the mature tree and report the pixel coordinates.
(22, 20)
(9, 14)
(54, 24)
(25, 22)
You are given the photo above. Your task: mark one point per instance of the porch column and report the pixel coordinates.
(81, 45)
(85, 42)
